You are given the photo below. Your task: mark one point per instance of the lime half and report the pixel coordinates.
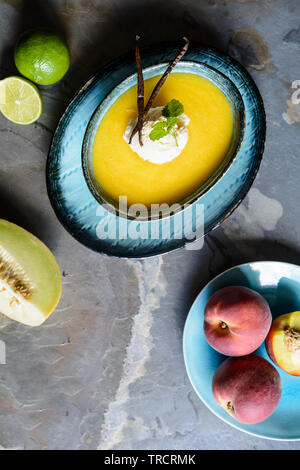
(20, 100)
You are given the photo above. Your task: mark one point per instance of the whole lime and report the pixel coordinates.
(42, 56)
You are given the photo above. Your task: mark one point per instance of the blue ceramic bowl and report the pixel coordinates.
(102, 231)
(201, 69)
(279, 283)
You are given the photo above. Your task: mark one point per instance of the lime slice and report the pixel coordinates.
(20, 100)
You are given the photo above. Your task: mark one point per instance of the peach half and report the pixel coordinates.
(283, 342)
(236, 320)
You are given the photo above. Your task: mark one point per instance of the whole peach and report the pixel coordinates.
(236, 320)
(248, 388)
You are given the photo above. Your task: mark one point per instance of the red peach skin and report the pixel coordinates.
(236, 320)
(248, 388)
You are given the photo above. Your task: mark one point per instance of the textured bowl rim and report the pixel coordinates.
(293, 439)
(198, 193)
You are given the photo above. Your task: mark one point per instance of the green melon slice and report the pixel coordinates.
(30, 280)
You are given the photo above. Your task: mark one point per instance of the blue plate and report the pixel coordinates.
(279, 283)
(104, 232)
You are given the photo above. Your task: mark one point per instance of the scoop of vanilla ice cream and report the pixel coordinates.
(165, 149)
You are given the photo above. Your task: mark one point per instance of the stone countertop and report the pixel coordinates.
(106, 370)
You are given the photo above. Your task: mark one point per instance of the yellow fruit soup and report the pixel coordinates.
(122, 172)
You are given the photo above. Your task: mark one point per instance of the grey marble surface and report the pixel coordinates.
(106, 370)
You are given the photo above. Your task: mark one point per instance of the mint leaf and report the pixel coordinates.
(171, 112)
(171, 121)
(157, 133)
(173, 109)
(160, 124)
